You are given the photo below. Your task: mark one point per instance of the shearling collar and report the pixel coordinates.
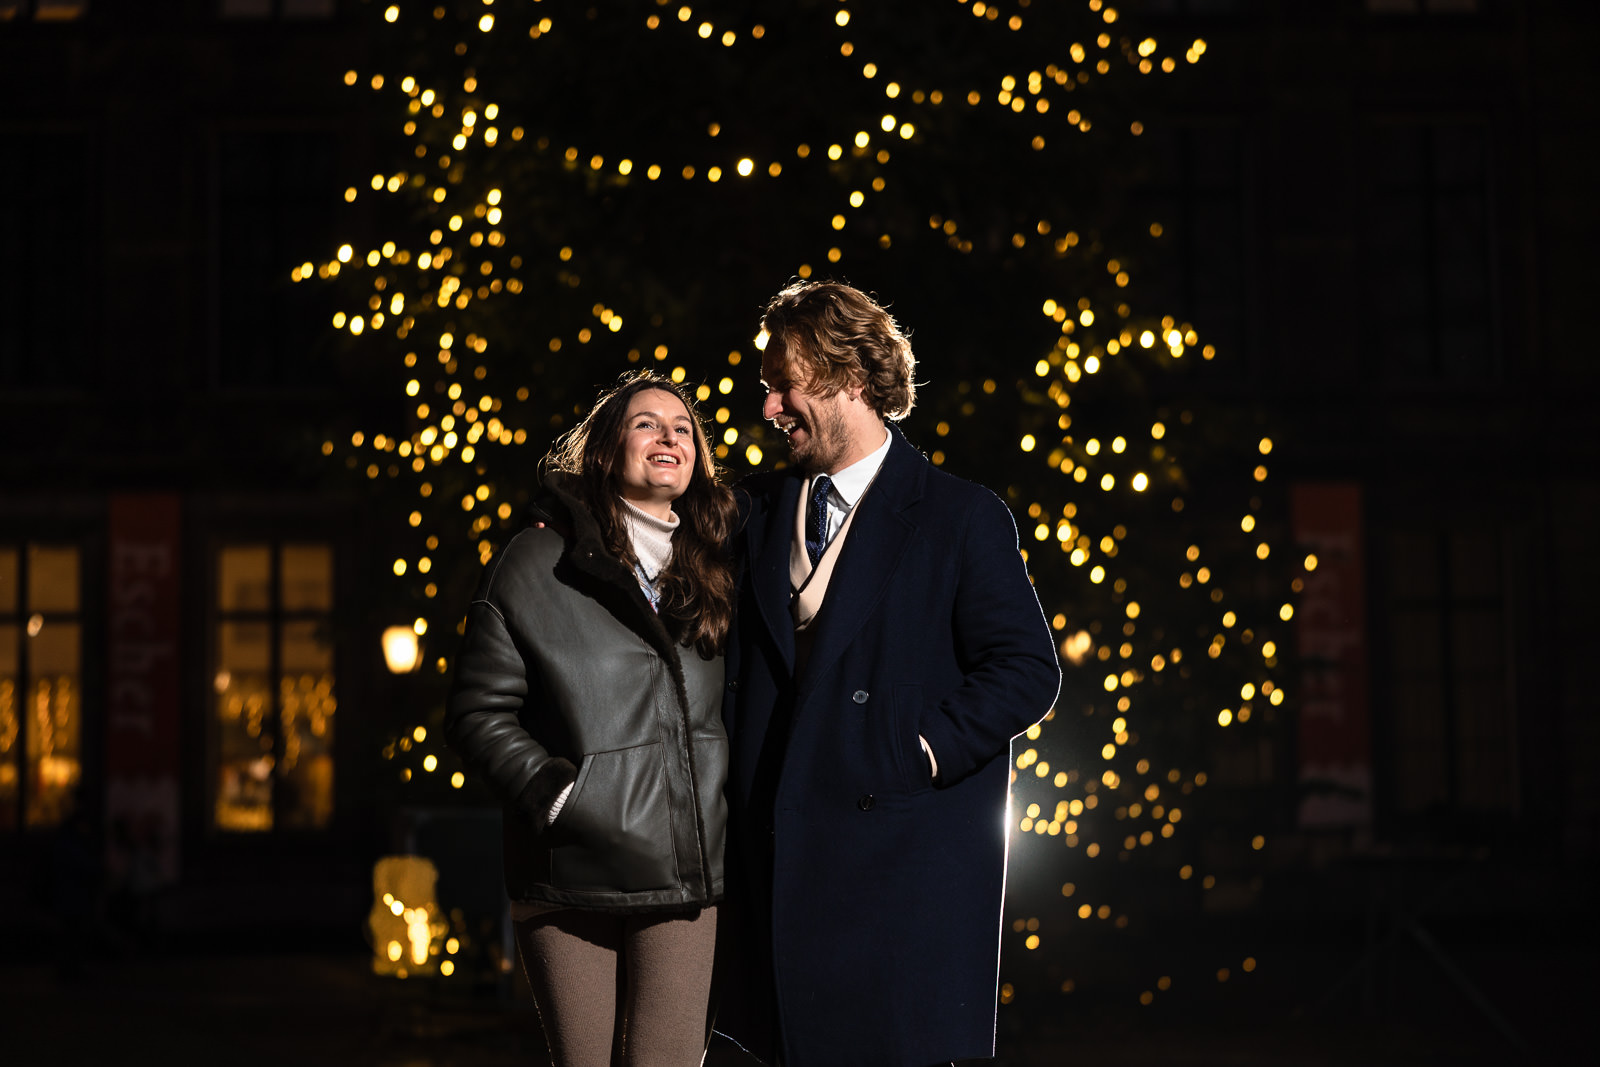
(559, 507)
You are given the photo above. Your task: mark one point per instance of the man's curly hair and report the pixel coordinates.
(835, 337)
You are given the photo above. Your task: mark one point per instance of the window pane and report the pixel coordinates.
(1418, 651)
(1485, 765)
(1414, 563)
(307, 702)
(59, 10)
(244, 580)
(8, 580)
(10, 725)
(243, 727)
(1478, 650)
(1475, 565)
(307, 577)
(55, 722)
(1421, 778)
(52, 578)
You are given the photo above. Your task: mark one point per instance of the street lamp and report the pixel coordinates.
(401, 650)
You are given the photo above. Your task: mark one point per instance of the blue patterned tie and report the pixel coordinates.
(817, 518)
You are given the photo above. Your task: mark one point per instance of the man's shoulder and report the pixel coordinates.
(941, 487)
(956, 487)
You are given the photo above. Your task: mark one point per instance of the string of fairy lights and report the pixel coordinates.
(420, 290)
(1143, 791)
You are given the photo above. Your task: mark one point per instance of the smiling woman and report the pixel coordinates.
(609, 750)
(658, 452)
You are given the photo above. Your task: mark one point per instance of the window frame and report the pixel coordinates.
(88, 693)
(274, 617)
(1455, 816)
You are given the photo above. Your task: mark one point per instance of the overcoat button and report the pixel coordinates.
(866, 802)
(733, 686)
(860, 696)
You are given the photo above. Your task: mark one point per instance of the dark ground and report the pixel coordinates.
(1320, 1005)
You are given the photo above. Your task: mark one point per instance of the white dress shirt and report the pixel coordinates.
(850, 483)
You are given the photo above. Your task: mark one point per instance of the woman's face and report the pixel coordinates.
(657, 451)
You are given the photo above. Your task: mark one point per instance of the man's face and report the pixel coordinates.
(815, 425)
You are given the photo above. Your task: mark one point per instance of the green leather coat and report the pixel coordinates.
(567, 675)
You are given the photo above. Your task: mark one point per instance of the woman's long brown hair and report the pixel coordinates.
(697, 590)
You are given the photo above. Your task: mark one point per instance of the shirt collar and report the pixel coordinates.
(850, 483)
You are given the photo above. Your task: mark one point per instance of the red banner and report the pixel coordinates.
(1335, 743)
(143, 683)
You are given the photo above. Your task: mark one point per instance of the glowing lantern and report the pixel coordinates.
(406, 927)
(400, 649)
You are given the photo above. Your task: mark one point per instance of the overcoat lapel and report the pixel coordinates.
(869, 558)
(769, 556)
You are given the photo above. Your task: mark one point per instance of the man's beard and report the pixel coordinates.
(826, 441)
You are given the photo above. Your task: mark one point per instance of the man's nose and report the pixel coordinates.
(771, 406)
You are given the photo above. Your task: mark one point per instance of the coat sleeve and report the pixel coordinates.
(483, 723)
(1004, 647)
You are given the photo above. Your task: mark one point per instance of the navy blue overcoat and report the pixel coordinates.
(862, 925)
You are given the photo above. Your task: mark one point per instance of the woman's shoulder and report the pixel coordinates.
(530, 553)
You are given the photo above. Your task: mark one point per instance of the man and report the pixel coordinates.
(888, 648)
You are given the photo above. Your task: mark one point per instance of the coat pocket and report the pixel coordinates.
(914, 768)
(614, 833)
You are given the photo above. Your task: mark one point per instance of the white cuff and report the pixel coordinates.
(933, 764)
(555, 809)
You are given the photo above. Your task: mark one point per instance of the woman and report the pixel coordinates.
(588, 694)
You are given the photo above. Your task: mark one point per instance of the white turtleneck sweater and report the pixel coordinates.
(651, 539)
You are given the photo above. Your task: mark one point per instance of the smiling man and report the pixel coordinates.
(888, 648)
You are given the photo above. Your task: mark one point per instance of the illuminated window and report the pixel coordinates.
(41, 684)
(273, 698)
(45, 277)
(1427, 253)
(42, 10)
(273, 212)
(1448, 676)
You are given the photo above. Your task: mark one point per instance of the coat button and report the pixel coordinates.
(866, 802)
(860, 696)
(733, 685)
